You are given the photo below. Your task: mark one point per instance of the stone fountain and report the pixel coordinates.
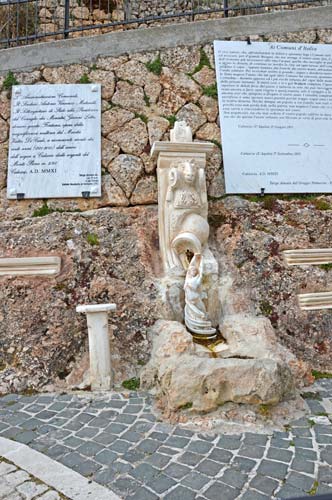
(246, 364)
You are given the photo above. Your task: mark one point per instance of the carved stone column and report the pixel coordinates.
(99, 345)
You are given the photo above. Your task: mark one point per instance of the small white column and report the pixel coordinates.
(99, 346)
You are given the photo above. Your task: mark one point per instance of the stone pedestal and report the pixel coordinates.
(99, 347)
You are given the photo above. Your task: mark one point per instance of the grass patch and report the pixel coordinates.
(46, 210)
(186, 406)
(42, 211)
(264, 410)
(325, 267)
(92, 239)
(217, 143)
(291, 443)
(210, 90)
(94, 67)
(142, 117)
(313, 490)
(322, 205)
(9, 81)
(311, 395)
(84, 79)
(146, 99)
(287, 427)
(311, 423)
(203, 61)
(318, 375)
(172, 119)
(132, 384)
(155, 66)
(265, 307)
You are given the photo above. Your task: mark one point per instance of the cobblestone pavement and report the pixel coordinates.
(118, 442)
(17, 484)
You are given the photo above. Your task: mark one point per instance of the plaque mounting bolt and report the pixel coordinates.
(94, 88)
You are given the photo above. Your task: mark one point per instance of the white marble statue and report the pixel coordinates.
(195, 313)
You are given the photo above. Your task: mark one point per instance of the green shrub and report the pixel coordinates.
(9, 81)
(132, 384)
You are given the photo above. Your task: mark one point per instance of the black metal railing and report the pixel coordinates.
(26, 21)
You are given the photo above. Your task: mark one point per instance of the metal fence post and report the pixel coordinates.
(66, 24)
(226, 8)
(126, 8)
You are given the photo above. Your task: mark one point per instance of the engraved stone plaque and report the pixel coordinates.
(55, 141)
(275, 102)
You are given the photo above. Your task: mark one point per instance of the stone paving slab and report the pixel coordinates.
(116, 440)
(17, 484)
(38, 474)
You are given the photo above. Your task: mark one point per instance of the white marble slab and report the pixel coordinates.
(30, 266)
(55, 141)
(308, 256)
(275, 102)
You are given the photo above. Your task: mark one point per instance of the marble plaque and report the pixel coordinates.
(55, 141)
(275, 102)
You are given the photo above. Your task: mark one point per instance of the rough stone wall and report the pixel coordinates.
(41, 336)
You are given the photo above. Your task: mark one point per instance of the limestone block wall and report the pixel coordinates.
(109, 246)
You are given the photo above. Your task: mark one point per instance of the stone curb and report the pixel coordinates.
(80, 50)
(54, 474)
